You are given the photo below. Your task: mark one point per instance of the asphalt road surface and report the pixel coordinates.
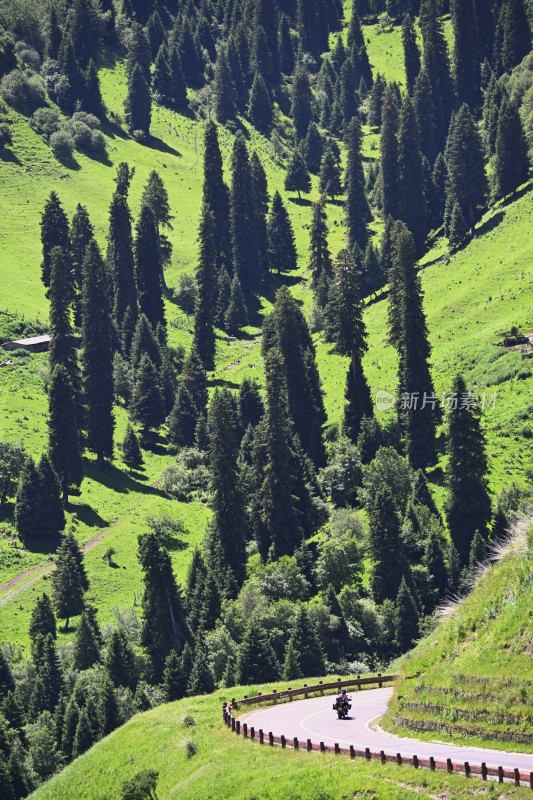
(315, 719)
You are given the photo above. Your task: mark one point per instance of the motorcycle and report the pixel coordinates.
(342, 706)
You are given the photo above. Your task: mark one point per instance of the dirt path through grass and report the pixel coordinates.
(47, 566)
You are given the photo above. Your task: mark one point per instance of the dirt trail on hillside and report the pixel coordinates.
(46, 567)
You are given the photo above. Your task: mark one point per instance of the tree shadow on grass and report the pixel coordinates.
(155, 143)
(113, 478)
(224, 383)
(44, 545)
(486, 227)
(276, 281)
(86, 514)
(8, 156)
(300, 201)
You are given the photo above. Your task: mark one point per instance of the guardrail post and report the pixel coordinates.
(271, 739)
(517, 777)
(359, 684)
(274, 693)
(290, 696)
(322, 690)
(467, 769)
(259, 694)
(322, 747)
(367, 753)
(531, 780)
(337, 749)
(245, 730)
(449, 765)
(306, 695)
(233, 723)
(296, 743)
(224, 706)
(415, 762)
(382, 756)
(500, 774)
(380, 683)
(252, 733)
(310, 746)
(238, 727)
(432, 763)
(399, 759)
(484, 771)
(261, 736)
(283, 741)
(352, 751)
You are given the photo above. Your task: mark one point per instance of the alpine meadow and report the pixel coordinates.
(266, 399)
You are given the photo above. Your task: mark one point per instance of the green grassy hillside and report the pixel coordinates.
(226, 766)
(472, 678)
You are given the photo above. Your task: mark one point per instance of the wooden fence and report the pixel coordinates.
(445, 765)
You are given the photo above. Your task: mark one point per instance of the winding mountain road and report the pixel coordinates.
(315, 719)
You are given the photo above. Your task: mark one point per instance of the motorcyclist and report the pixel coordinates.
(342, 698)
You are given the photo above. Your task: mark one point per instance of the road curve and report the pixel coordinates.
(315, 719)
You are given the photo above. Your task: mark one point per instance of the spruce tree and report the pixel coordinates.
(261, 200)
(120, 660)
(69, 580)
(281, 242)
(306, 644)
(64, 442)
(148, 268)
(236, 316)
(251, 407)
(511, 163)
(320, 262)
(223, 298)
(93, 95)
(146, 402)
(228, 528)
(291, 665)
(109, 716)
(468, 506)
(131, 450)
(139, 53)
(70, 68)
(302, 102)
(138, 103)
(356, 206)
(173, 678)
(437, 63)
(49, 496)
(224, 88)
(406, 619)
(144, 342)
(260, 105)
(277, 522)
(313, 148)
(425, 116)
(411, 54)
(42, 621)
(70, 724)
(193, 377)
(54, 233)
(81, 233)
(119, 257)
(163, 627)
(297, 178)
(201, 678)
(246, 255)
(330, 183)
(183, 419)
(466, 166)
(435, 563)
(155, 195)
(412, 207)
(466, 60)
(7, 683)
(177, 86)
(286, 50)
(388, 147)
(161, 77)
(97, 337)
(516, 42)
(256, 660)
(385, 546)
(204, 334)
(216, 197)
(84, 737)
(28, 510)
(457, 228)
(86, 651)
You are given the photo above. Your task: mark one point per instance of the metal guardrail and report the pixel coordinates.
(444, 765)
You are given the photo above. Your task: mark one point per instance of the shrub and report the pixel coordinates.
(28, 56)
(188, 721)
(45, 121)
(23, 93)
(186, 293)
(62, 145)
(5, 134)
(190, 748)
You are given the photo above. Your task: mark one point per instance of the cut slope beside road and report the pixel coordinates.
(315, 719)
